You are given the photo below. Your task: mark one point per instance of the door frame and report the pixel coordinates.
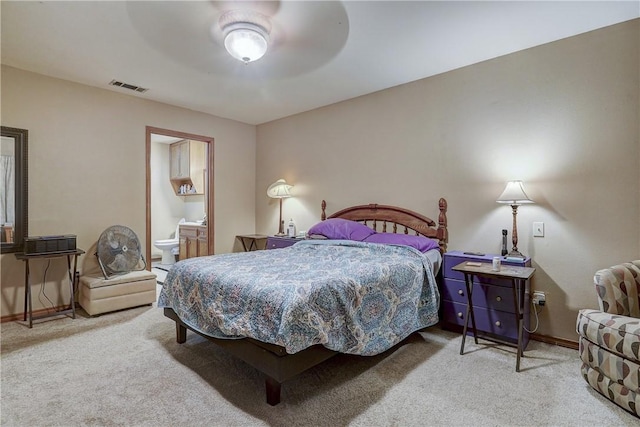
(208, 191)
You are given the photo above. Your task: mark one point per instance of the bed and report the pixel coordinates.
(284, 311)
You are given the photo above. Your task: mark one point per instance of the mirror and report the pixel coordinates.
(13, 189)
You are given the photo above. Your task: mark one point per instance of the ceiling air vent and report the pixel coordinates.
(128, 86)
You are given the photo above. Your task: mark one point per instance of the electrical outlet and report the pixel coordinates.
(538, 229)
(539, 298)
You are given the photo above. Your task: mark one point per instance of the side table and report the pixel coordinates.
(519, 278)
(27, 286)
(250, 241)
(492, 300)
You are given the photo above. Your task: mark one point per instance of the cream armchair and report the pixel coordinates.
(610, 337)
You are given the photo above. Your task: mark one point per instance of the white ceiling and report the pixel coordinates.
(320, 53)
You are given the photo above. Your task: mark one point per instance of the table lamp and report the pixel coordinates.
(279, 190)
(515, 196)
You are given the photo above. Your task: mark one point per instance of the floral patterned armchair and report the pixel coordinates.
(610, 337)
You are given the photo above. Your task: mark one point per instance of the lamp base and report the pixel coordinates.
(279, 234)
(515, 254)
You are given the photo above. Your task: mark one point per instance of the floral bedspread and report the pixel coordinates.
(351, 297)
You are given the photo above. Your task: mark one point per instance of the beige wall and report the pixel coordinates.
(563, 117)
(87, 168)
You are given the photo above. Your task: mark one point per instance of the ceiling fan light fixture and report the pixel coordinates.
(245, 41)
(246, 34)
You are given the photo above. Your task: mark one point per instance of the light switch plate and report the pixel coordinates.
(538, 229)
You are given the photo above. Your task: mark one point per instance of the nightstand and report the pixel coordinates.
(277, 242)
(28, 309)
(517, 276)
(492, 299)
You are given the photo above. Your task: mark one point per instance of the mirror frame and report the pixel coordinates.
(21, 224)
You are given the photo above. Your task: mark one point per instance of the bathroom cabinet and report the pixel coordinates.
(193, 241)
(187, 166)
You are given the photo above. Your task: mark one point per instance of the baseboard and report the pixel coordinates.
(562, 342)
(36, 313)
(11, 318)
(555, 341)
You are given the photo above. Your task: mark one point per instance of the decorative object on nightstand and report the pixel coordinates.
(496, 315)
(504, 251)
(291, 229)
(280, 190)
(515, 196)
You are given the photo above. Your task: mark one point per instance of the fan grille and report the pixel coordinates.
(118, 250)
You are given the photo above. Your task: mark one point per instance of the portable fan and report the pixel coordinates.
(118, 251)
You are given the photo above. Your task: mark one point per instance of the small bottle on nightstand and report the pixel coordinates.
(291, 229)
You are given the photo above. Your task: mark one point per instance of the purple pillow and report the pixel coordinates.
(421, 243)
(341, 229)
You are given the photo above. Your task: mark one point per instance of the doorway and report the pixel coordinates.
(152, 133)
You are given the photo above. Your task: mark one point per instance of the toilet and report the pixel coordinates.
(170, 247)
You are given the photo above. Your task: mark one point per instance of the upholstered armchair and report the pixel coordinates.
(610, 337)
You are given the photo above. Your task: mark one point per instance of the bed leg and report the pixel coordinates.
(181, 333)
(273, 391)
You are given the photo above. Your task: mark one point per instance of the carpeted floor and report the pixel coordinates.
(125, 368)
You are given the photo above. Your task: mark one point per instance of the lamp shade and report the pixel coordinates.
(514, 194)
(279, 189)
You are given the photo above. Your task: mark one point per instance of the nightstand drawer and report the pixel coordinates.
(280, 242)
(488, 296)
(494, 322)
(451, 261)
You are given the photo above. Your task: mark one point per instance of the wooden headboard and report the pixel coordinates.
(393, 219)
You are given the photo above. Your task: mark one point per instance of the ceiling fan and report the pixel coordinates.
(301, 36)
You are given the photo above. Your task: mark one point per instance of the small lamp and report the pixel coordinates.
(515, 196)
(279, 190)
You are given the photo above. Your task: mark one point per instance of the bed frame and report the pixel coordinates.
(273, 361)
